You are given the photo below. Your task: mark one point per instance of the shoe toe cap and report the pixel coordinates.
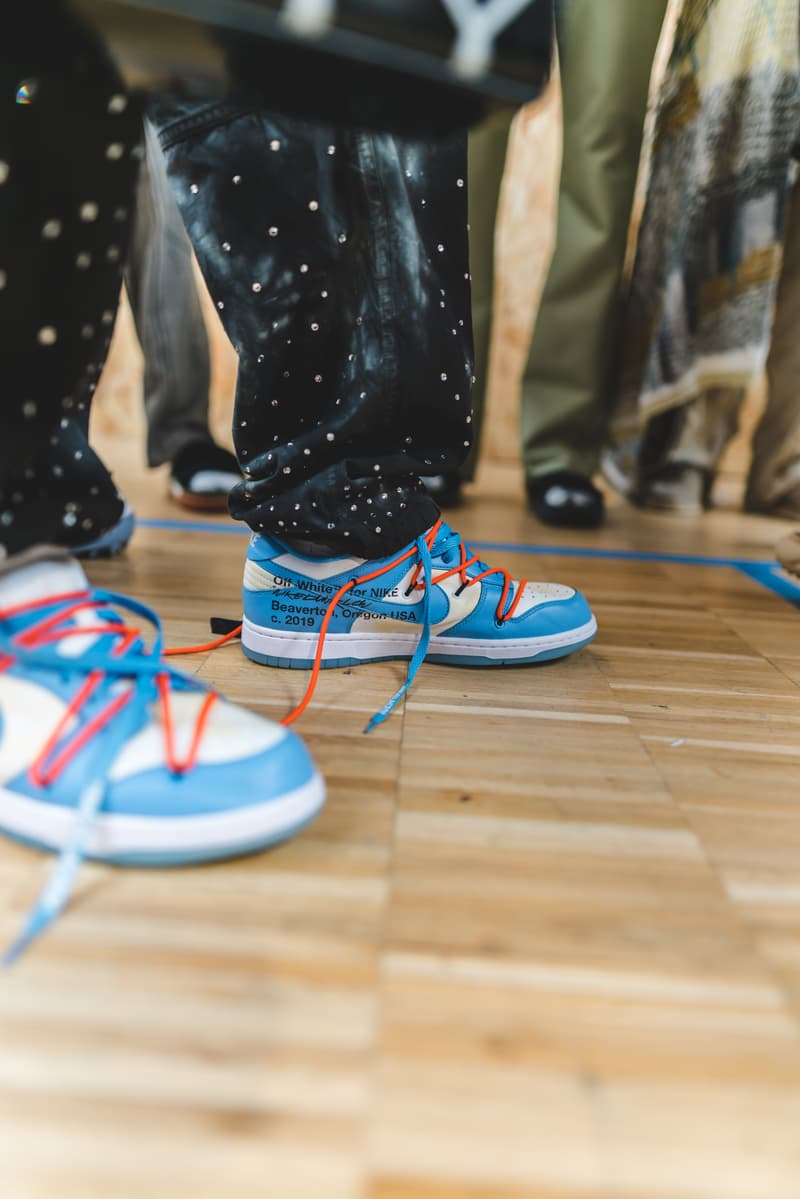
(559, 614)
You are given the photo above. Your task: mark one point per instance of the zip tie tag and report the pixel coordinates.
(221, 626)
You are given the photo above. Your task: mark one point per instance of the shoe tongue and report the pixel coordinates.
(37, 574)
(450, 556)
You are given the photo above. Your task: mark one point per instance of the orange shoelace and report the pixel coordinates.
(60, 749)
(146, 677)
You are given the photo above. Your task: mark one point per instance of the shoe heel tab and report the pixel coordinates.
(260, 547)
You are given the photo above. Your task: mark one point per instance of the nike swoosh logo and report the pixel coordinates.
(459, 606)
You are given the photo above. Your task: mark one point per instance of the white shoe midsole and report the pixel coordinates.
(116, 836)
(283, 643)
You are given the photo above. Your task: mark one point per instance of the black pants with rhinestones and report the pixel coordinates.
(68, 146)
(338, 264)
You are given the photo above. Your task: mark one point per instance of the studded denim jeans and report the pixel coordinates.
(338, 263)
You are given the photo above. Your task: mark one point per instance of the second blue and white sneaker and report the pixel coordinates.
(108, 752)
(112, 542)
(435, 599)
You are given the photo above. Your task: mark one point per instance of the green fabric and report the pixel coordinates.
(487, 157)
(606, 52)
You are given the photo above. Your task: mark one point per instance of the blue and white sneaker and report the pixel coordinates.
(433, 600)
(107, 752)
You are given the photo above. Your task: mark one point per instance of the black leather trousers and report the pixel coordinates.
(338, 263)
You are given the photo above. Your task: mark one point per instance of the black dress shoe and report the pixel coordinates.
(201, 476)
(566, 498)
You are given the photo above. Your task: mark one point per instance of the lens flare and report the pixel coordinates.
(26, 92)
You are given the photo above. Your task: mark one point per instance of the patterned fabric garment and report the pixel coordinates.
(699, 309)
(338, 263)
(68, 157)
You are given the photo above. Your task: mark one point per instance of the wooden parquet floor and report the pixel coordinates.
(543, 942)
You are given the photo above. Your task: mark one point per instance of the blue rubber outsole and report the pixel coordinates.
(549, 655)
(112, 542)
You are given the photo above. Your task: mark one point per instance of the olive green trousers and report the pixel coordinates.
(606, 50)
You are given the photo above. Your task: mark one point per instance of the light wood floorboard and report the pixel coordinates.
(542, 943)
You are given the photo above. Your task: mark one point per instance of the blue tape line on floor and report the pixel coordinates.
(767, 574)
(774, 578)
(195, 526)
(570, 551)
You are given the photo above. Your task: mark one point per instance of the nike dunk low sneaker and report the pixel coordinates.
(108, 752)
(434, 600)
